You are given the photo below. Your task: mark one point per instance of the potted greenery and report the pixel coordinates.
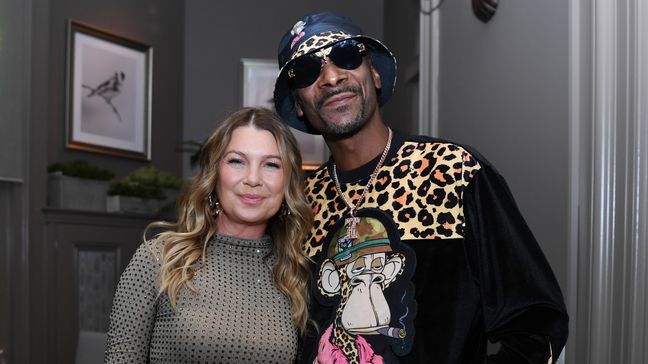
(77, 185)
(194, 148)
(144, 190)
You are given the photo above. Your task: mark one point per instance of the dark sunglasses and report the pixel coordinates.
(346, 54)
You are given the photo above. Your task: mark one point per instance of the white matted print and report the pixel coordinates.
(108, 93)
(259, 77)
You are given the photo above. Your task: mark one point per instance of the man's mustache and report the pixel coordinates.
(328, 95)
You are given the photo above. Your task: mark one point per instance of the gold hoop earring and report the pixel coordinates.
(284, 211)
(214, 205)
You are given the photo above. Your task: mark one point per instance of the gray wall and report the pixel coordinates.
(157, 23)
(401, 31)
(13, 88)
(13, 284)
(40, 140)
(219, 33)
(504, 90)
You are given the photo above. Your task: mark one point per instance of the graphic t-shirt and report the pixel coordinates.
(436, 261)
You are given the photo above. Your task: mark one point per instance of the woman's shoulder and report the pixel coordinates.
(147, 256)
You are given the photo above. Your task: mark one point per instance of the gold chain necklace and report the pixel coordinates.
(352, 221)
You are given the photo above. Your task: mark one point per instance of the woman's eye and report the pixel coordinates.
(234, 161)
(273, 165)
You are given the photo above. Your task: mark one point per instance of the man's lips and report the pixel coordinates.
(339, 99)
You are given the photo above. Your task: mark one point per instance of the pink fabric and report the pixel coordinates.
(296, 38)
(331, 354)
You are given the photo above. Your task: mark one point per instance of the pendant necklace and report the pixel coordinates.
(352, 221)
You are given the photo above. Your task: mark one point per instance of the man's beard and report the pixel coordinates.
(342, 127)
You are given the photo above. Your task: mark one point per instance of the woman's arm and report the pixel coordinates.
(133, 312)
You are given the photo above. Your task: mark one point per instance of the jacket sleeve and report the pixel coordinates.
(133, 312)
(522, 303)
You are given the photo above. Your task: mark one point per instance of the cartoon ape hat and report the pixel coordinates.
(372, 238)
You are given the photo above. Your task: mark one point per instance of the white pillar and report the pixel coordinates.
(609, 182)
(428, 69)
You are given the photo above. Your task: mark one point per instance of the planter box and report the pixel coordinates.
(118, 203)
(76, 193)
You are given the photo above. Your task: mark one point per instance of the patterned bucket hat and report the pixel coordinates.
(312, 33)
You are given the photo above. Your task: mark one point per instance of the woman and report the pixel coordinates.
(227, 281)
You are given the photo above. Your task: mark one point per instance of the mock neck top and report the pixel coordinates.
(237, 315)
(261, 246)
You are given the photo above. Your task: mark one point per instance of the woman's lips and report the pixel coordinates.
(251, 199)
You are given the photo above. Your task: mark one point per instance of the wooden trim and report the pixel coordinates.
(78, 217)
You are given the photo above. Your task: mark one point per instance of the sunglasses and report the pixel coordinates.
(346, 54)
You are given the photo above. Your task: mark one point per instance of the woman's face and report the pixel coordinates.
(251, 183)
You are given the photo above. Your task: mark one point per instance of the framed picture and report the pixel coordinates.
(259, 77)
(108, 93)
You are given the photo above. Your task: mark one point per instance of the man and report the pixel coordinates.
(420, 253)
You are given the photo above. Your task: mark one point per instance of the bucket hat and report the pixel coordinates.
(372, 238)
(312, 33)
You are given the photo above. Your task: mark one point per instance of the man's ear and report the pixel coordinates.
(297, 104)
(376, 77)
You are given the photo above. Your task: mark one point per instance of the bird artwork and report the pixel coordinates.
(108, 90)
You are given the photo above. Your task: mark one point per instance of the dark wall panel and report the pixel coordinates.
(402, 37)
(504, 90)
(157, 23)
(220, 33)
(14, 53)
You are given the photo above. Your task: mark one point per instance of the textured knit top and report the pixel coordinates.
(237, 315)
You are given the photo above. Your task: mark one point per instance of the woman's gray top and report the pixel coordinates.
(237, 315)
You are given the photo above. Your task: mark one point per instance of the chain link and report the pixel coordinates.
(372, 179)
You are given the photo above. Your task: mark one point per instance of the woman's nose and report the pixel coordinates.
(253, 177)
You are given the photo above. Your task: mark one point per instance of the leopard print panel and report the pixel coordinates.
(421, 186)
(318, 41)
(344, 340)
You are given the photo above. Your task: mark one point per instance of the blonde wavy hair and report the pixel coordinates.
(182, 244)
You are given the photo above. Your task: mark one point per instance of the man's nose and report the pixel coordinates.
(331, 75)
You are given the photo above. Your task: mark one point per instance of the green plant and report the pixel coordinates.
(81, 169)
(193, 147)
(145, 182)
(153, 176)
(129, 187)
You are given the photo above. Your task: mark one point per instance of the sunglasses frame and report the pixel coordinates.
(321, 55)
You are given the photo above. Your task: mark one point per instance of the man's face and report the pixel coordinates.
(340, 101)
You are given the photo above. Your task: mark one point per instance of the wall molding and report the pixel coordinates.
(428, 101)
(579, 113)
(638, 208)
(604, 187)
(608, 208)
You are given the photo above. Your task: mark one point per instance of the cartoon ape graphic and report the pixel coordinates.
(356, 273)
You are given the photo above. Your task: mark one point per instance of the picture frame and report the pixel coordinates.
(259, 77)
(108, 93)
